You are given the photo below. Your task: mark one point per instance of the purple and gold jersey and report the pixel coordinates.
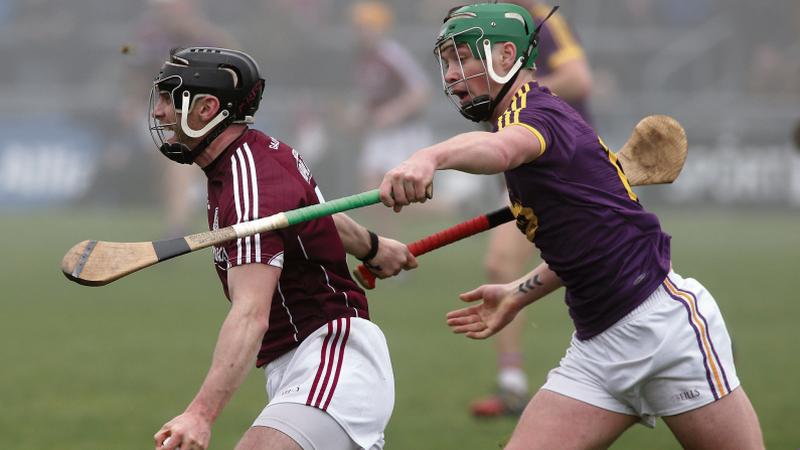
(576, 205)
(257, 176)
(557, 45)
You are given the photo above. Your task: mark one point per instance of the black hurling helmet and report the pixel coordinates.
(230, 75)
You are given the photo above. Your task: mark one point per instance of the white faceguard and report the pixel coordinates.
(158, 129)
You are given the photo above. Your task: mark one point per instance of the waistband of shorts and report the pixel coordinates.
(651, 301)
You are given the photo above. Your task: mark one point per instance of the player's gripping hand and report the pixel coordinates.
(498, 309)
(185, 432)
(392, 257)
(410, 182)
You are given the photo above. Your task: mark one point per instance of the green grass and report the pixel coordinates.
(101, 368)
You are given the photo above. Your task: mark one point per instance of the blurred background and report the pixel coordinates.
(99, 368)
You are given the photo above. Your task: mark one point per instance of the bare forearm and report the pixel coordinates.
(536, 284)
(237, 345)
(476, 152)
(355, 237)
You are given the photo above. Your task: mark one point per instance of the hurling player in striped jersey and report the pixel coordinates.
(294, 310)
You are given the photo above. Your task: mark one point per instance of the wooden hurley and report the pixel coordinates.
(97, 263)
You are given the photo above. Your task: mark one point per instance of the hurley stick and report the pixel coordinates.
(97, 263)
(654, 154)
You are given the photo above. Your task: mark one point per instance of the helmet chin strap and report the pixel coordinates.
(480, 108)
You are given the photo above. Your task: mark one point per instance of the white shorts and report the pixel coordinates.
(670, 355)
(342, 368)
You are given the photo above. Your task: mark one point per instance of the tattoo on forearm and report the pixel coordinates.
(530, 284)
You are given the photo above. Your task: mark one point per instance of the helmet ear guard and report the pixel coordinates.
(185, 106)
(487, 49)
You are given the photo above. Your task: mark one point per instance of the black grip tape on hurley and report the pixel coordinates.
(170, 248)
(499, 217)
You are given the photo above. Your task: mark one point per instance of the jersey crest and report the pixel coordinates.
(527, 222)
(219, 253)
(301, 167)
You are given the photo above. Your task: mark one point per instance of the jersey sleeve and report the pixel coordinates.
(548, 123)
(261, 187)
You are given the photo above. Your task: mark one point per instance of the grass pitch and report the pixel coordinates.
(103, 368)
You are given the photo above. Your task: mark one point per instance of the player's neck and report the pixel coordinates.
(219, 144)
(525, 76)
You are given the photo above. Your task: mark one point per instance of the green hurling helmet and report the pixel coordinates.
(497, 22)
(480, 26)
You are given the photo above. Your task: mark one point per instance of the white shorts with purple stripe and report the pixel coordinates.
(670, 355)
(342, 368)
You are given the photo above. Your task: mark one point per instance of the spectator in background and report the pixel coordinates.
(775, 70)
(563, 68)
(774, 59)
(166, 24)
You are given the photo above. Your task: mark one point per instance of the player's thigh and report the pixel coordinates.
(261, 438)
(553, 420)
(293, 426)
(729, 422)
(509, 251)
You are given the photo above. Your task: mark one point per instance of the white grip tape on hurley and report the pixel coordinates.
(273, 222)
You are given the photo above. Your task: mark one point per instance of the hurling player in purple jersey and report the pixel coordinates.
(563, 68)
(648, 342)
(294, 310)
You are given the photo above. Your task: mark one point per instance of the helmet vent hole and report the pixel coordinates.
(234, 75)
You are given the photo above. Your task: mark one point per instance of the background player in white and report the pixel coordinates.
(648, 342)
(294, 308)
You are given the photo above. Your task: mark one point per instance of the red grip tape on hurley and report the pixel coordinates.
(449, 235)
(430, 243)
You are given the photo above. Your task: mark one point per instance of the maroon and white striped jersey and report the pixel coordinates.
(257, 176)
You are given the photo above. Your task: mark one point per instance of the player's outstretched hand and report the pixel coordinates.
(392, 257)
(499, 307)
(410, 182)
